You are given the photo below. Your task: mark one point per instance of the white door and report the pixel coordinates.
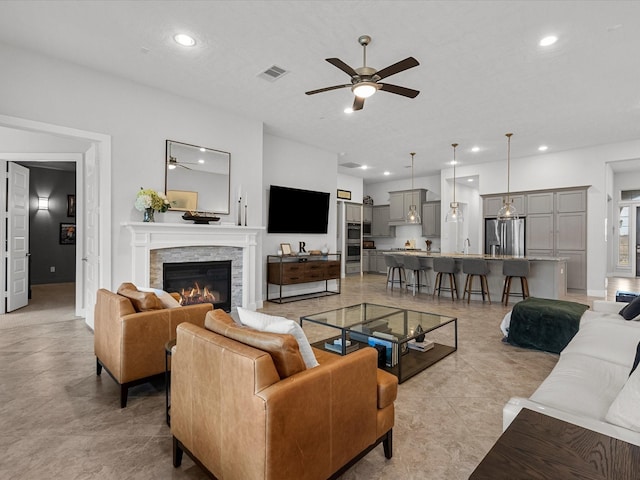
(17, 237)
(91, 227)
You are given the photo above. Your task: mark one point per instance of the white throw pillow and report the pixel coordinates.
(273, 324)
(624, 410)
(167, 300)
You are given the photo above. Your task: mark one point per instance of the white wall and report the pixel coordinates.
(139, 120)
(353, 185)
(292, 164)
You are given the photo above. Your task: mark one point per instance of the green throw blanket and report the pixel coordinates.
(544, 324)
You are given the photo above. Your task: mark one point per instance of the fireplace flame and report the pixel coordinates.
(194, 295)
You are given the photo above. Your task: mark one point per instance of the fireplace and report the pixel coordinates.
(199, 282)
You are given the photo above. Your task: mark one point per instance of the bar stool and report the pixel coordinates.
(475, 267)
(515, 268)
(425, 265)
(445, 266)
(393, 266)
(412, 262)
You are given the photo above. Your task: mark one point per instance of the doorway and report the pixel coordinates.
(93, 209)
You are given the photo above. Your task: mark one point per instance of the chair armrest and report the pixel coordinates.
(387, 388)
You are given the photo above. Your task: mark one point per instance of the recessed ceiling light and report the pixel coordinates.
(548, 41)
(202, 149)
(172, 167)
(184, 40)
(364, 167)
(387, 173)
(543, 148)
(201, 161)
(453, 162)
(348, 110)
(475, 149)
(469, 179)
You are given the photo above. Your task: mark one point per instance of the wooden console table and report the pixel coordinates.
(285, 270)
(537, 446)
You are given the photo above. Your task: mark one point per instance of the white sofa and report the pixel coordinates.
(590, 373)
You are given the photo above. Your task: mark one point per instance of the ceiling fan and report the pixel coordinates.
(173, 163)
(365, 81)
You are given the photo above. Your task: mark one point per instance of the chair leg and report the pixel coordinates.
(483, 281)
(452, 280)
(177, 453)
(388, 275)
(525, 287)
(508, 291)
(124, 393)
(98, 367)
(455, 285)
(436, 283)
(387, 444)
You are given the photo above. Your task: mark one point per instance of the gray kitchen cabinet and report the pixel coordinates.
(353, 212)
(400, 202)
(367, 213)
(571, 201)
(540, 232)
(540, 203)
(431, 219)
(381, 264)
(559, 229)
(491, 205)
(380, 222)
(366, 259)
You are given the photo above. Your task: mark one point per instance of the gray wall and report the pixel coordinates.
(44, 240)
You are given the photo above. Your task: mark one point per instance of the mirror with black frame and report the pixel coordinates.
(197, 178)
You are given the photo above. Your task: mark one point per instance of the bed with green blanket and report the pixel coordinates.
(544, 324)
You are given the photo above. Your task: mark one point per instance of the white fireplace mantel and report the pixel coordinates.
(146, 237)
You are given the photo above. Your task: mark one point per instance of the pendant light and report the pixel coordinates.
(508, 211)
(454, 215)
(413, 216)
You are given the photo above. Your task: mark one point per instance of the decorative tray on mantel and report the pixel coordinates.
(199, 217)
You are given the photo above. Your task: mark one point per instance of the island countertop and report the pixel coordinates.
(547, 276)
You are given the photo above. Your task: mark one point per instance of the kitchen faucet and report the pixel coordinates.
(467, 245)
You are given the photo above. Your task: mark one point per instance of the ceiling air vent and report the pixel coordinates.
(350, 165)
(273, 73)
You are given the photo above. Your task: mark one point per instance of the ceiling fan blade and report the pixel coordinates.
(358, 103)
(401, 66)
(336, 62)
(404, 91)
(335, 87)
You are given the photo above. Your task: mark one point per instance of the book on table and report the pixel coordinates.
(391, 350)
(336, 347)
(421, 346)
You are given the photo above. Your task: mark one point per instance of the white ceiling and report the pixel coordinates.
(481, 71)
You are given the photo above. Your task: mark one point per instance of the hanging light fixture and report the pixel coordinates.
(413, 216)
(454, 215)
(508, 210)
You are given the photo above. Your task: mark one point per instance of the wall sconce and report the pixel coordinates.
(43, 203)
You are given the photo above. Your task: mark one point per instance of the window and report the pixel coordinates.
(623, 237)
(630, 195)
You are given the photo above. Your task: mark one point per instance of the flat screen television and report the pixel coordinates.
(292, 210)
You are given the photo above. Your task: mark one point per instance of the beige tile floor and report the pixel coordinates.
(59, 420)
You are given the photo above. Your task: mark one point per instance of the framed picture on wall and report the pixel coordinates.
(67, 234)
(71, 205)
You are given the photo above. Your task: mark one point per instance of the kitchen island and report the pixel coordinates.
(547, 277)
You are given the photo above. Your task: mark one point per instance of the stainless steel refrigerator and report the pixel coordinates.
(504, 237)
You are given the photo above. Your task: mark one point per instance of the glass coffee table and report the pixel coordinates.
(395, 329)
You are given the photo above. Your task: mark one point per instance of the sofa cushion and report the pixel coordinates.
(624, 410)
(167, 299)
(636, 360)
(631, 311)
(582, 384)
(273, 324)
(283, 348)
(141, 301)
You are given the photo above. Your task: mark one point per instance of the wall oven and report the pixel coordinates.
(353, 252)
(354, 232)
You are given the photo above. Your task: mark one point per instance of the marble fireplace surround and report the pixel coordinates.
(148, 237)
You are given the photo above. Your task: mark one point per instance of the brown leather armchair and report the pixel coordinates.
(243, 406)
(129, 344)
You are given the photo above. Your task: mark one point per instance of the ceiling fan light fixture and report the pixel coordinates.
(364, 89)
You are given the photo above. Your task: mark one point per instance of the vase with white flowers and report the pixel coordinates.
(150, 201)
